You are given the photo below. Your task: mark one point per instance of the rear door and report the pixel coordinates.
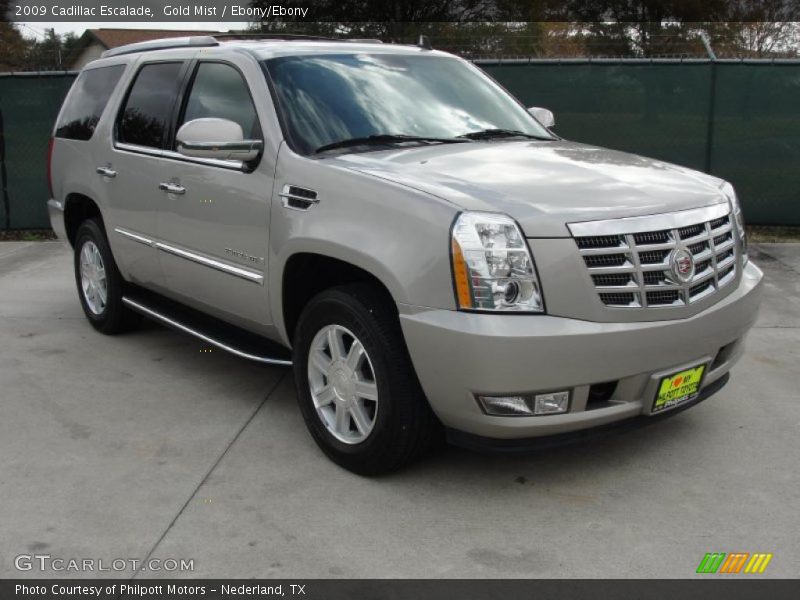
(135, 167)
(214, 219)
(81, 133)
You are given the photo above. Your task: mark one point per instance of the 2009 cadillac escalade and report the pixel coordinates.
(421, 248)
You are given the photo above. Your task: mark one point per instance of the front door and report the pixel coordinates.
(214, 222)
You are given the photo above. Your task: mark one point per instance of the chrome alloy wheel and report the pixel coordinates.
(93, 278)
(342, 384)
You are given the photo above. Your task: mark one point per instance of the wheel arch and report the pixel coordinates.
(307, 273)
(77, 208)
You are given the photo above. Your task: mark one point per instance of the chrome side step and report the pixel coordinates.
(212, 331)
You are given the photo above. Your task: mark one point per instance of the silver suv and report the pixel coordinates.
(423, 250)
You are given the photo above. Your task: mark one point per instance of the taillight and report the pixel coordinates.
(50, 167)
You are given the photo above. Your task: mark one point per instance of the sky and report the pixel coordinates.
(36, 29)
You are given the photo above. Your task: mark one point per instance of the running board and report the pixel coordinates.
(224, 336)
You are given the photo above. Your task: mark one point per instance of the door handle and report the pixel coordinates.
(106, 171)
(172, 188)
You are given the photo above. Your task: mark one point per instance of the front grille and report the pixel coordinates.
(611, 260)
(635, 269)
(691, 231)
(601, 241)
(653, 257)
(651, 237)
(652, 277)
(614, 279)
(618, 299)
(666, 298)
(717, 223)
(701, 287)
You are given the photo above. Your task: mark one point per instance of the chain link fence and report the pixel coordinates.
(737, 119)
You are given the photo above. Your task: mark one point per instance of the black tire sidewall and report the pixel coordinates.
(331, 311)
(90, 230)
(405, 427)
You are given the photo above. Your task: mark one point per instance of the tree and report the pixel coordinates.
(13, 47)
(610, 28)
(758, 28)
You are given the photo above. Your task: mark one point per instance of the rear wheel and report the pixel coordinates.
(100, 285)
(356, 387)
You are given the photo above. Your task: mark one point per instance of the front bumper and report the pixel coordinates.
(458, 355)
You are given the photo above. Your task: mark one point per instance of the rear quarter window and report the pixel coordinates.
(86, 101)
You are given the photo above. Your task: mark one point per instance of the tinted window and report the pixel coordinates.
(86, 101)
(145, 118)
(330, 98)
(220, 91)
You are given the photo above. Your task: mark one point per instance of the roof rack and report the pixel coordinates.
(270, 36)
(197, 41)
(200, 41)
(292, 36)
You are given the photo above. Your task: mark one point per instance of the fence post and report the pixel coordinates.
(4, 175)
(712, 93)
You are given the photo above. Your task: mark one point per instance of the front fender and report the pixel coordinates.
(398, 235)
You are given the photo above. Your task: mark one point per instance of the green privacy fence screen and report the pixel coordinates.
(28, 108)
(739, 120)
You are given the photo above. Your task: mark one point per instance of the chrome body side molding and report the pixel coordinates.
(211, 263)
(134, 236)
(236, 271)
(235, 165)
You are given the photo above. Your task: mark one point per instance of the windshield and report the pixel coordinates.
(331, 98)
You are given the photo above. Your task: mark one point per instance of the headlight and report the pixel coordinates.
(738, 217)
(492, 266)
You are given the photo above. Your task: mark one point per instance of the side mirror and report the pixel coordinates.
(544, 116)
(216, 138)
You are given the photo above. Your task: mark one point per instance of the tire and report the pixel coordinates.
(396, 428)
(100, 286)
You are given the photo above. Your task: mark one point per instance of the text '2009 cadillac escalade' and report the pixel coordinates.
(424, 251)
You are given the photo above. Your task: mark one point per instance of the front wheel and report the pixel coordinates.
(100, 284)
(356, 387)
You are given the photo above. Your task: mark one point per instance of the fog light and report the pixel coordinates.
(505, 406)
(551, 404)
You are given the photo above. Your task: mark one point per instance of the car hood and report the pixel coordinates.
(542, 184)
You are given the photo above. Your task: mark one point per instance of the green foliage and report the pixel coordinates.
(48, 53)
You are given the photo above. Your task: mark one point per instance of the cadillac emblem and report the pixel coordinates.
(682, 263)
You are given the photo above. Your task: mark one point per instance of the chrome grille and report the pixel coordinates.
(633, 269)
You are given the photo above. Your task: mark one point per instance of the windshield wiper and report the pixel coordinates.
(383, 139)
(488, 134)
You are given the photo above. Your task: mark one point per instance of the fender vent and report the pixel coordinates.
(298, 198)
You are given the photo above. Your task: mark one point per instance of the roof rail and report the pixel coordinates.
(289, 37)
(199, 41)
(270, 36)
(163, 44)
